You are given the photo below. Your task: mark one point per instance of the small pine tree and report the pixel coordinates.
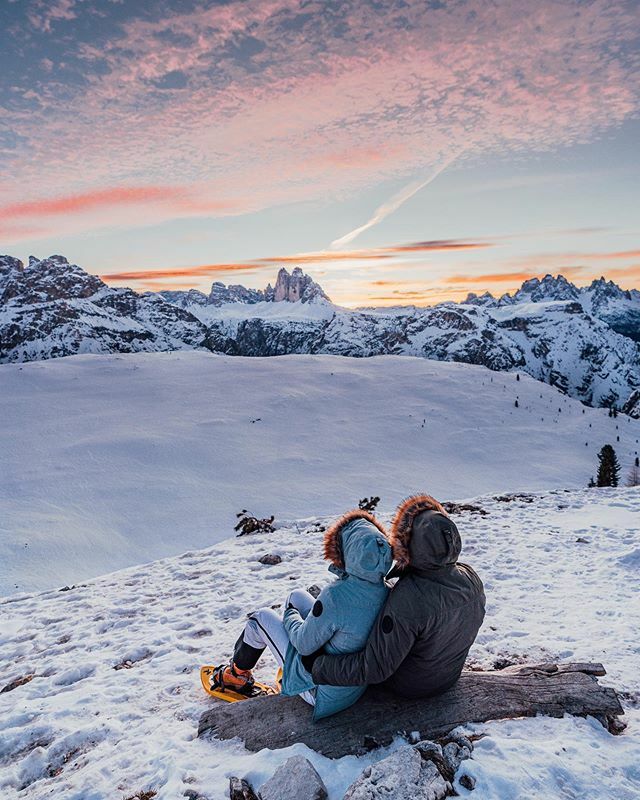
(517, 405)
(608, 467)
(634, 475)
(517, 376)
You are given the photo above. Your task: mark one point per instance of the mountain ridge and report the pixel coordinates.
(583, 340)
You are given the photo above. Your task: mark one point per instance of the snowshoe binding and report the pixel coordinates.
(227, 682)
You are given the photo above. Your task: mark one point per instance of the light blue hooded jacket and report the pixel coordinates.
(344, 612)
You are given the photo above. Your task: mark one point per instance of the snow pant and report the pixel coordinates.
(265, 628)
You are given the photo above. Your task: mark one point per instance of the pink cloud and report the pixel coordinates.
(320, 115)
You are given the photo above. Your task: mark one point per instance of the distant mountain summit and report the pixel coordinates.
(583, 340)
(292, 287)
(295, 287)
(619, 308)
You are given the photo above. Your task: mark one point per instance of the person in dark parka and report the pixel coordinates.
(421, 638)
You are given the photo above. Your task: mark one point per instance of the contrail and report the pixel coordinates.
(394, 203)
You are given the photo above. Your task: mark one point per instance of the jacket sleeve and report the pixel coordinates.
(389, 643)
(309, 634)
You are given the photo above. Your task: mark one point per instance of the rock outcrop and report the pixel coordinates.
(296, 778)
(294, 287)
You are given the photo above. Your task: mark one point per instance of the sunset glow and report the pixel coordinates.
(168, 145)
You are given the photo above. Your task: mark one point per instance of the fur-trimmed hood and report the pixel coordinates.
(422, 534)
(357, 544)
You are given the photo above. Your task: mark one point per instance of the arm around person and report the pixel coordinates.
(390, 641)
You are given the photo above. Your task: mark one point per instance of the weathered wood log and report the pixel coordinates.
(519, 691)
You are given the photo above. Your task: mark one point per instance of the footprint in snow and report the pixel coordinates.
(74, 675)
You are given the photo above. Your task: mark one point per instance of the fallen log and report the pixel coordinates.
(518, 691)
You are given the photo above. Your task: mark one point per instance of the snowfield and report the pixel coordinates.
(114, 701)
(113, 460)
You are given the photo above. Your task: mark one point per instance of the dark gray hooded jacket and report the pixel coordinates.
(421, 637)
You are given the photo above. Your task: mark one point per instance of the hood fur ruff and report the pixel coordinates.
(332, 543)
(402, 523)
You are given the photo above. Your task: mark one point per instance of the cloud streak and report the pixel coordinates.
(394, 203)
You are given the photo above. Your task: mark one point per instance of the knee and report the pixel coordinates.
(262, 616)
(301, 600)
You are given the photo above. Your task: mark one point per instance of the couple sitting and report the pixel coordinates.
(413, 637)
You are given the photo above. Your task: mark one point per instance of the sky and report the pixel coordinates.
(398, 151)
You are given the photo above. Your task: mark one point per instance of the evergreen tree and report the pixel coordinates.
(634, 475)
(608, 467)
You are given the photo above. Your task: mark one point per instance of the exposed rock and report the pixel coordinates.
(17, 682)
(221, 294)
(295, 287)
(467, 781)
(403, 775)
(270, 559)
(461, 508)
(240, 789)
(549, 288)
(454, 754)
(632, 406)
(54, 309)
(184, 299)
(296, 778)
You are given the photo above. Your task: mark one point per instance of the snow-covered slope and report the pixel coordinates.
(113, 706)
(109, 461)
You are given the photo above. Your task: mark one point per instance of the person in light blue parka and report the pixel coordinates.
(338, 621)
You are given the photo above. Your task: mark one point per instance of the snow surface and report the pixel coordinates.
(83, 730)
(268, 310)
(114, 460)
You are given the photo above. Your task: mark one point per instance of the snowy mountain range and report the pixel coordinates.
(583, 340)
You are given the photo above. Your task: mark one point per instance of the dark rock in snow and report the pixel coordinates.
(240, 789)
(296, 778)
(632, 406)
(467, 781)
(270, 559)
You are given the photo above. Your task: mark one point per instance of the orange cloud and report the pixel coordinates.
(506, 277)
(632, 271)
(613, 256)
(439, 245)
(201, 270)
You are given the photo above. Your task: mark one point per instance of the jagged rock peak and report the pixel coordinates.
(297, 286)
(10, 264)
(51, 278)
(480, 300)
(549, 288)
(290, 287)
(221, 294)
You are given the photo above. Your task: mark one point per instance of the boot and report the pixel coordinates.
(229, 676)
